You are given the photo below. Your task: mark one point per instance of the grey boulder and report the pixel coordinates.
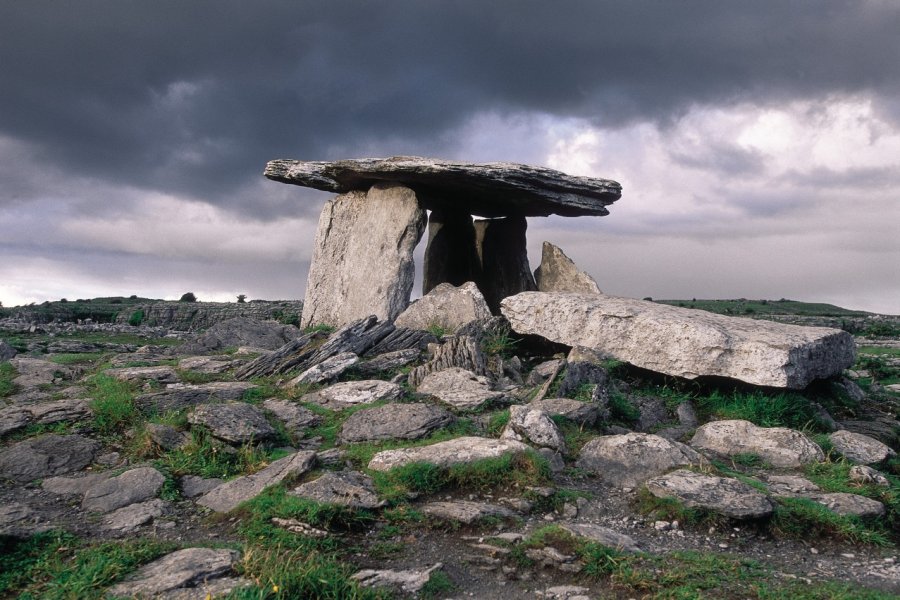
(630, 459)
(46, 456)
(348, 488)
(236, 423)
(527, 423)
(462, 450)
(860, 448)
(231, 493)
(353, 393)
(728, 497)
(779, 446)
(446, 307)
(394, 422)
(461, 389)
(130, 487)
(186, 568)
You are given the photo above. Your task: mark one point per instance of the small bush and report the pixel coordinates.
(188, 297)
(760, 408)
(800, 517)
(112, 403)
(7, 374)
(136, 318)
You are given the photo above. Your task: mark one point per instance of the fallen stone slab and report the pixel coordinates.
(460, 388)
(235, 423)
(728, 497)
(683, 342)
(128, 518)
(394, 422)
(602, 535)
(860, 448)
(445, 307)
(186, 568)
(530, 424)
(362, 261)
(130, 487)
(327, 370)
(488, 189)
(779, 446)
(353, 393)
(852, 505)
(180, 396)
(47, 455)
(465, 511)
(241, 331)
(227, 496)
(630, 459)
(295, 417)
(347, 488)
(557, 273)
(159, 374)
(75, 485)
(410, 581)
(457, 451)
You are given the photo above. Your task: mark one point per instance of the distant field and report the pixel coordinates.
(100, 310)
(743, 306)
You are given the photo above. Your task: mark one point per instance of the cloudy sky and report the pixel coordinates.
(758, 143)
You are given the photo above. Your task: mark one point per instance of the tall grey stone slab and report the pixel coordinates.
(501, 247)
(450, 255)
(683, 342)
(558, 273)
(362, 261)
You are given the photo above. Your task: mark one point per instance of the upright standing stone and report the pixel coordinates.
(362, 261)
(450, 255)
(501, 247)
(557, 273)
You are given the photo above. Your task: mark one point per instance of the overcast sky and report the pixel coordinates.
(757, 143)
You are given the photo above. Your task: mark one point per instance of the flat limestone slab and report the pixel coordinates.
(488, 190)
(681, 341)
(445, 454)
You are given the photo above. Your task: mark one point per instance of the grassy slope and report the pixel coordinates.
(768, 307)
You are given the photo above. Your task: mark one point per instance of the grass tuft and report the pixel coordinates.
(112, 403)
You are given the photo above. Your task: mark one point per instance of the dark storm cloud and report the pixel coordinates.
(194, 97)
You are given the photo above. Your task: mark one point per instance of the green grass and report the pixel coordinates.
(500, 341)
(77, 358)
(766, 409)
(744, 306)
(206, 457)
(7, 374)
(801, 517)
(621, 410)
(112, 403)
(834, 476)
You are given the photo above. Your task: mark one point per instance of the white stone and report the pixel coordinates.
(630, 459)
(445, 454)
(779, 446)
(535, 426)
(353, 393)
(725, 496)
(683, 342)
(860, 448)
(447, 307)
(459, 388)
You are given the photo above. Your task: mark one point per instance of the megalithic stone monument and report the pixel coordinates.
(362, 261)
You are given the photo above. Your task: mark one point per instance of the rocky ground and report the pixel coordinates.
(254, 460)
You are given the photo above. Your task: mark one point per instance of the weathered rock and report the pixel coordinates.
(860, 448)
(501, 246)
(70, 486)
(653, 413)
(35, 372)
(352, 393)
(465, 511)
(489, 190)
(403, 339)
(12, 518)
(166, 437)
(347, 488)
(462, 351)
(236, 423)
(286, 358)
(180, 396)
(163, 374)
(130, 487)
(630, 459)
(128, 518)
(13, 418)
(47, 455)
(295, 417)
(543, 371)
(684, 342)
(394, 422)
(580, 373)
(527, 423)
(728, 497)
(192, 486)
(880, 427)
(450, 254)
(297, 526)
(461, 389)
(778, 446)
(210, 365)
(849, 504)
(231, 493)
(407, 581)
(328, 369)
(446, 307)
(357, 337)
(789, 485)
(182, 569)
(197, 316)
(557, 273)
(241, 331)
(6, 351)
(70, 410)
(461, 450)
(362, 259)
(585, 413)
(868, 475)
(389, 361)
(603, 535)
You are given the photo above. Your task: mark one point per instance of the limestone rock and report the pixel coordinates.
(462, 351)
(725, 496)
(210, 365)
(779, 446)
(543, 371)
(683, 342)
(502, 251)
(128, 518)
(868, 475)
(630, 459)
(790, 485)
(328, 369)
(362, 259)
(163, 374)
(403, 339)
(348, 488)
(13, 516)
(446, 307)
(180, 396)
(352, 393)
(70, 410)
(295, 417)
(130, 487)
(849, 504)
(394, 422)
(603, 535)
(409, 581)
(461, 389)
(231, 493)
(489, 189)
(77, 485)
(192, 486)
(580, 373)
(13, 418)
(35, 372)
(461, 450)
(166, 437)
(389, 361)
(450, 254)
(6, 351)
(47, 455)
(557, 273)
(236, 423)
(197, 316)
(860, 448)
(182, 569)
(241, 331)
(465, 511)
(585, 413)
(527, 423)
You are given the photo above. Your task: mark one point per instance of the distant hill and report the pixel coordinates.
(742, 306)
(99, 310)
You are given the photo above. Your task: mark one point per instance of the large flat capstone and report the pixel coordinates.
(487, 190)
(681, 341)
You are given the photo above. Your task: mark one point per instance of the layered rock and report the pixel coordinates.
(683, 342)
(362, 259)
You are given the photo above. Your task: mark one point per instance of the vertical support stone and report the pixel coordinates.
(502, 251)
(363, 257)
(450, 256)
